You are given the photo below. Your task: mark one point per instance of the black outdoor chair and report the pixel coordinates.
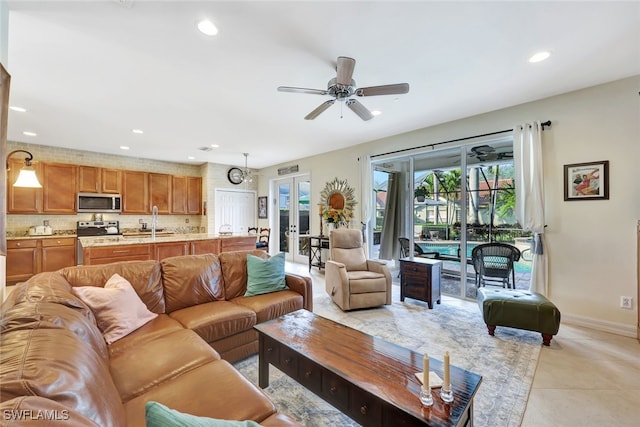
(494, 262)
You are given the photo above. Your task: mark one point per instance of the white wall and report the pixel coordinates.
(591, 244)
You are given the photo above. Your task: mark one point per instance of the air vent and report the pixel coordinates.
(207, 149)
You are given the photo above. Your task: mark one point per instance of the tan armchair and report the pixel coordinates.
(351, 279)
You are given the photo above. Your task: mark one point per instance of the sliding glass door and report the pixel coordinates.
(453, 200)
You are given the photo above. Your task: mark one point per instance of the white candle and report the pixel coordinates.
(447, 379)
(425, 373)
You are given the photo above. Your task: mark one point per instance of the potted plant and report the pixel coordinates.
(420, 192)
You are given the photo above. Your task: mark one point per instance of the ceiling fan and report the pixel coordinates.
(343, 87)
(487, 153)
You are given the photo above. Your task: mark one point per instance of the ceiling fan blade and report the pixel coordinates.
(345, 70)
(359, 109)
(315, 113)
(394, 89)
(302, 90)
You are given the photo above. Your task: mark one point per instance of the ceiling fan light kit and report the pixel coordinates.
(343, 87)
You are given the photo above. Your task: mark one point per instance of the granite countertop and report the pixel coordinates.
(55, 235)
(90, 242)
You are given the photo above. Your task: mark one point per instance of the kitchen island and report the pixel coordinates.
(106, 249)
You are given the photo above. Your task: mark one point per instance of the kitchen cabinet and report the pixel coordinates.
(160, 192)
(59, 188)
(135, 192)
(194, 195)
(111, 181)
(23, 200)
(186, 195)
(58, 253)
(92, 179)
(27, 257)
(169, 249)
(199, 247)
(107, 254)
(237, 243)
(23, 260)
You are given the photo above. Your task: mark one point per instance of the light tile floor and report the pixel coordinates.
(585, 378)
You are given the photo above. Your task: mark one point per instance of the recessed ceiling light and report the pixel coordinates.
(206, 27)
(540, 56)
(191, 158)
(376, 112)
(138, 131)
(124, 147)
(19, 109)
(26, 132)
(215, 145)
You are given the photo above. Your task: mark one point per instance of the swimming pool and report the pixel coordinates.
(452, 248)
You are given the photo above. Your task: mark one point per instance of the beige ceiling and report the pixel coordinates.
(90, 72)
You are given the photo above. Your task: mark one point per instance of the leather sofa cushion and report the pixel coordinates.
(234, 270)
(14, 413)
(225, 394)
(271, 305)
(190, 280)
(279, 420)
(161, 325)
(46, 287)
(45, 362)
(215, 320)
(46, 315)
(144, 276)
(154, 362)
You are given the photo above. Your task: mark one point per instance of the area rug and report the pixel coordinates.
(506, 362)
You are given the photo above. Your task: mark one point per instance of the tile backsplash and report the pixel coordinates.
(18, 225)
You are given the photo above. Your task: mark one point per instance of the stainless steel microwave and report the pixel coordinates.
(95, 202)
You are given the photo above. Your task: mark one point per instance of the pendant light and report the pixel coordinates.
(27, 177)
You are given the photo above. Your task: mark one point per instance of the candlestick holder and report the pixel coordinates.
(446, 394)
(425, 396)
(321, 230)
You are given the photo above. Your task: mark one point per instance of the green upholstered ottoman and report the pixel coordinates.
(519, 309)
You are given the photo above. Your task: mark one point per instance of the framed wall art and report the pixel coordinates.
(262, 207)
(586, 181)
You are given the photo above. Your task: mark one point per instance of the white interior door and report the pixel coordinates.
(236, 209)
(292, 218)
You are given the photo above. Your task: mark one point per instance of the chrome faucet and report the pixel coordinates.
(154, 221)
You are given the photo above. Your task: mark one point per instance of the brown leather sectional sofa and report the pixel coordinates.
(56, 366)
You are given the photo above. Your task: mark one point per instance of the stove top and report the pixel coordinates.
(98, 228)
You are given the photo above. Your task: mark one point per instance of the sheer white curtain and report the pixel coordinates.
(529, 182)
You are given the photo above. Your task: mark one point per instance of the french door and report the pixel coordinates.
(292, 217)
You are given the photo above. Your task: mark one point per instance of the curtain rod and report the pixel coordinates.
(543, 124)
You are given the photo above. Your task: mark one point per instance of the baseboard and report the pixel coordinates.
(601, 325)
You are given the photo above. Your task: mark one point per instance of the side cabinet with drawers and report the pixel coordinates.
(420, 279)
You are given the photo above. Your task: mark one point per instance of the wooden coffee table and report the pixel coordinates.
(370, 380)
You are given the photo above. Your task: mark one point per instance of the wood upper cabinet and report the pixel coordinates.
(89, 179)
(135, 192)
(194, 195)
(59, 188)
(111, 181)
(160, 191)
(92, 179)
(179, 194)
(186, 195)
(23, 200)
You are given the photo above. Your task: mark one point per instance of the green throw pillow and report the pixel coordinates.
(265, 275)
(158, 415)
